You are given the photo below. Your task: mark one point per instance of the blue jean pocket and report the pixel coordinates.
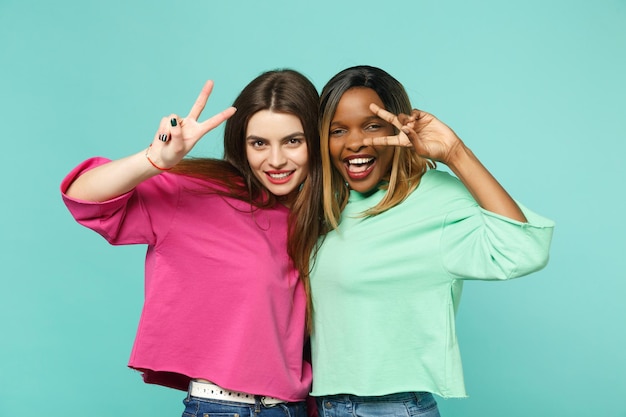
(206, 408)
(407, 404)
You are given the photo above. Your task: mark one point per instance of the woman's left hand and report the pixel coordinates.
(430, 137)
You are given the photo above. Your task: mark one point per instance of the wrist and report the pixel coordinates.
(459, 156)
(157, 164)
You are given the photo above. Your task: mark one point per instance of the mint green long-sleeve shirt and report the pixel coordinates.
(386, 288)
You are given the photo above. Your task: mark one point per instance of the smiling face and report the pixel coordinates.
(276, 149)
(363, 167)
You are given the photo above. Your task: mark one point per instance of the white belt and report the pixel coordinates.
(215, 392)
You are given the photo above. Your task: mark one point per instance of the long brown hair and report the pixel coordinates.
(283, 91)
(407, 167)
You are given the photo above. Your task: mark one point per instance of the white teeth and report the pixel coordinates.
(280, 176)
(360, 161)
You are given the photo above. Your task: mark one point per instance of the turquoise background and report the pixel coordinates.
(536, 88)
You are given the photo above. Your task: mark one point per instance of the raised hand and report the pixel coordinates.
(401, 139)
(434, 140)
(177, 136)
(430, 137)
(174, 139)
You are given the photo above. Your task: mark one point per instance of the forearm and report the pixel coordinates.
(485, 189)
(112, 179)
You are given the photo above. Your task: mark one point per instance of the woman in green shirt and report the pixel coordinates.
(387, 277)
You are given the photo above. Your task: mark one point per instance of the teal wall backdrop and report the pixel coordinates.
(536, 88)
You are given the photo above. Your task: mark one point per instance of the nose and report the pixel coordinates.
(354, 142)
(277, 158)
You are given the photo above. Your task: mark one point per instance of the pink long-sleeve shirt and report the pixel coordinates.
(223, 301)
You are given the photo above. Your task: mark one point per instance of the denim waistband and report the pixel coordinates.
(395, 397)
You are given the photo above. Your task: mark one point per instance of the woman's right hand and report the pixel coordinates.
(118, 177)
(177, 136)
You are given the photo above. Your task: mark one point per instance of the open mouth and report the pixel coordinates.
(359, 167)
(359, 164)
(279, 177)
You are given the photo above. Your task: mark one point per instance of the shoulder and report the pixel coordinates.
(440, 183)
(435, 177)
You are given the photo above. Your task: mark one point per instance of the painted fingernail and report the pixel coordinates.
(163, 137)
(173, 121)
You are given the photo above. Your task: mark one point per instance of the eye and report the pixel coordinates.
(256, 143)
(295, 141)
(337, 132)
(372, 127)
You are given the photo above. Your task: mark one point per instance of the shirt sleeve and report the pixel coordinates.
(130, 218)
(478, 244)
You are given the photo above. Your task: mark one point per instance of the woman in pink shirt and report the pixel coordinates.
(225, 310)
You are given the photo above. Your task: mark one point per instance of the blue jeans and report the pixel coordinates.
(404, 404)
(201, 407)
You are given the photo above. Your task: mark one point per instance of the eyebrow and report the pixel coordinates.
(291, 136)
(367, 119)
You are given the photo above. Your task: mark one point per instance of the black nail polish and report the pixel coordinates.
(163, 137)
(173, 122)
